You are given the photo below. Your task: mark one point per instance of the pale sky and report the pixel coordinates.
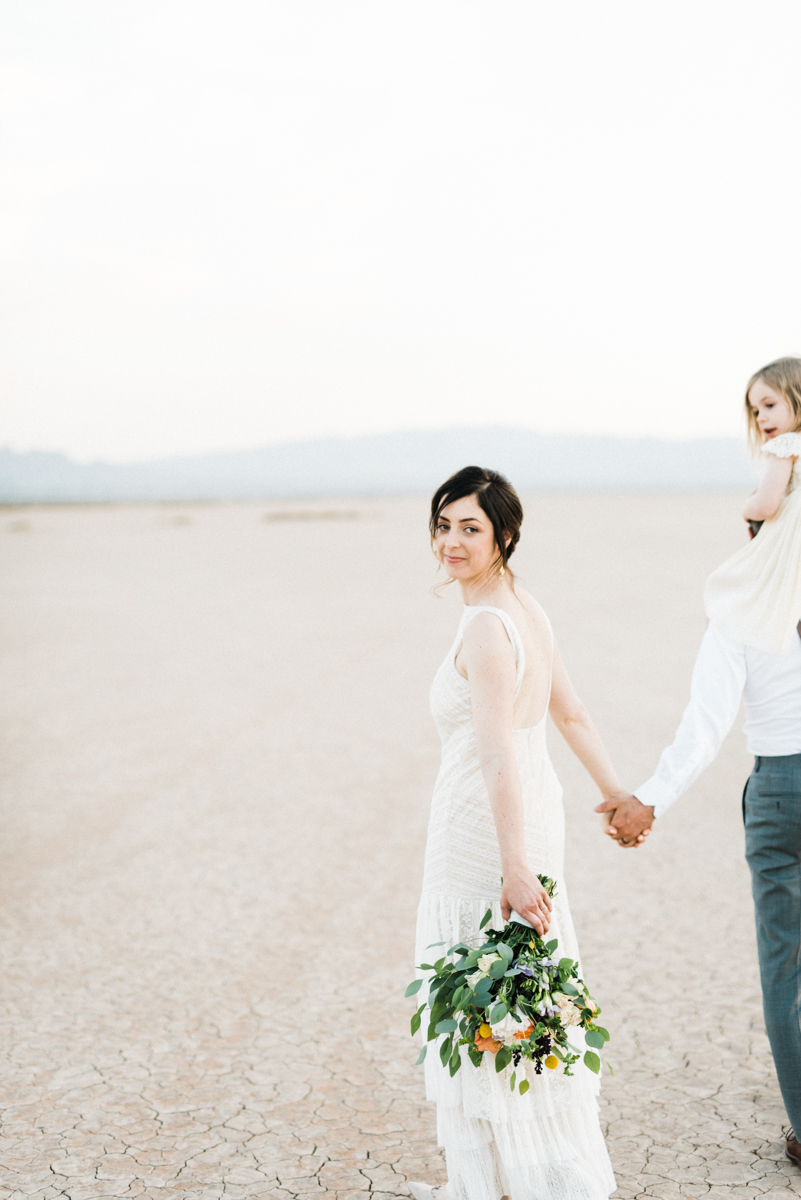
(231, 223)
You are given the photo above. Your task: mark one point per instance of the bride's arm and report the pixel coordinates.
(576, 727)
(490, 663)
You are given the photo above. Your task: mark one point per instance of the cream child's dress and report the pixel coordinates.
(546, 1144)
(755, 596)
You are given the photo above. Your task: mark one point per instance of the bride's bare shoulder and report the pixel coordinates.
(532, 608)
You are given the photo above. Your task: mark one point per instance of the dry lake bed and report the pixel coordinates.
(217, 766)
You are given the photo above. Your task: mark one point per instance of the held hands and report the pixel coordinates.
(524, 893)
(627, 820)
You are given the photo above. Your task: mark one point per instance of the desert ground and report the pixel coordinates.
(216, 778)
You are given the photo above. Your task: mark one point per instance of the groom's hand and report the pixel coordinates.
(629, 821)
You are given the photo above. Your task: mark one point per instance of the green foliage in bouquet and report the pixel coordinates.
(511, 979)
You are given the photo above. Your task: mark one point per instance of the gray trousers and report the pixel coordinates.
(772, 814)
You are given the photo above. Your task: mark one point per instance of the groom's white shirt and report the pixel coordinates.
(726, 671)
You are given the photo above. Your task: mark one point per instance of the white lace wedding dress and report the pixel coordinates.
(547, 1144)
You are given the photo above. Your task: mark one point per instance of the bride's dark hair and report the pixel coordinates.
(496, 496)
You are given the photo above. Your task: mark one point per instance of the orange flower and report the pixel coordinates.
(488, 1043)
(523, 1035)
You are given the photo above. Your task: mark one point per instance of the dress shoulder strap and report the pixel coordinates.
(553, 644)
(512, 633)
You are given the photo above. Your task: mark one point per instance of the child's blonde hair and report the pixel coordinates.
(784, 376)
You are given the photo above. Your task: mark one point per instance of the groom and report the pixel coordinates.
(770, 684)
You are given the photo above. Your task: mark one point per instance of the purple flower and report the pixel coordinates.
(525, 971)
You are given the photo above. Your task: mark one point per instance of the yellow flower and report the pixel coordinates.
(552, 1062)
(485, 1031)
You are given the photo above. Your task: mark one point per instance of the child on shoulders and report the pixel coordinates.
(755, 596)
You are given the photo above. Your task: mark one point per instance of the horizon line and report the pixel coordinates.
(360, 437)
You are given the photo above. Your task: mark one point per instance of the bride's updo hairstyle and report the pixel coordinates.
(497, 498)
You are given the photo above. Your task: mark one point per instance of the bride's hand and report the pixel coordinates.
(524, 893)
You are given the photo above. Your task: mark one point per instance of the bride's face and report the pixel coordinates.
(464, 541)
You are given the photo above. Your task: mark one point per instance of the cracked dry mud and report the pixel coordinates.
(217, 773)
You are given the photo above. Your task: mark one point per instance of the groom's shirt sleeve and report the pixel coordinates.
(717, 687)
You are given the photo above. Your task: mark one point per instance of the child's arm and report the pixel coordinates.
(770, 493)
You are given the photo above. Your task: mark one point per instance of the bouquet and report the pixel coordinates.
(510, 998)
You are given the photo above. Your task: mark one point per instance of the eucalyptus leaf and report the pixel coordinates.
(445, 1050)
(565, 966)
(592, 1061)
(498, 969)
(551, 946)
(512, 1081)
(423, 1053)
(431, 945)
(603, 1032)
(593, 1037)
(524, 1086)
(487, 917)
(449, 1025)
(413, 988)
(503, 1058)
(505, 951)
(438, 1013)
(498, 1013)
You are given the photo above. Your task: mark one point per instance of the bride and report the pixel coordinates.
(496, 822)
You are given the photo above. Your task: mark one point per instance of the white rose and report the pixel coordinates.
(473, 979)
(568, 1014)
(505, 1030)
(486, 961)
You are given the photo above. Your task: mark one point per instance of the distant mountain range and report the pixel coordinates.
(415, 461)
